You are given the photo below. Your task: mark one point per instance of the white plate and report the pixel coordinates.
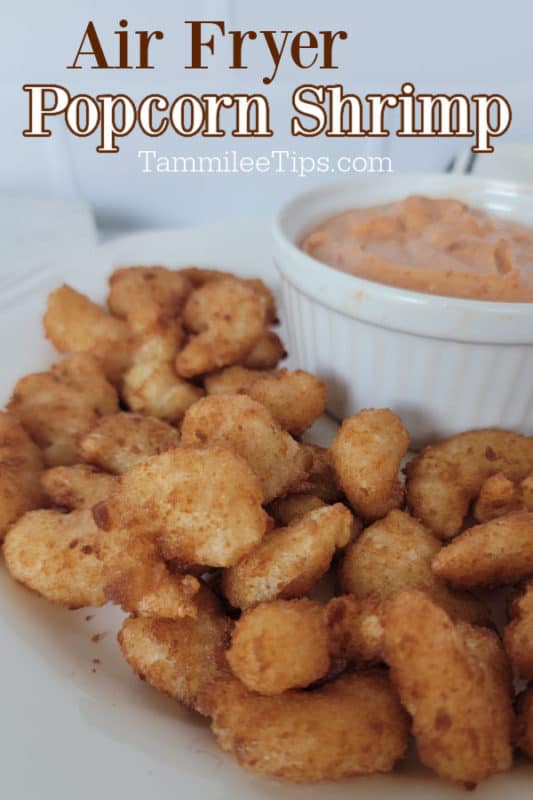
(76, 728)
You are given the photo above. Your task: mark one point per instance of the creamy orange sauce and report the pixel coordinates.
(437, 246)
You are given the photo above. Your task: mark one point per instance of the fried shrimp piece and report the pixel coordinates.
(203, 506)
(366, 454)
(280, 645)
(524, 722)
(58, 406)
(293, 506)
(150, 385)
(135, 575)
(295, 399)
(495, 553)
(519, 633)
(355, 629)
(321, 480)
(199, 277)
(266, 353)
(454, 681)
(179, 657)
(227, 318)
(78, 486)
(445, 477)
(232, 380)
(115, 443)
(75, 324)
(289, 561)
(395, 554)
(54, 554)
(352, 726)
(144, 295)
(497, 496)
(21, 465)
(246, 427)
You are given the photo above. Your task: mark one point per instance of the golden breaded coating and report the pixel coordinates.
(295, 399)
(58, 406)
(526, 492)
(366, 453)
(519, 633)
(116, 443)
(495, 553)
(180, 657)
(266, 353)
(75, 324)
(352, 726)
(202, 505)
(355, 629)
(199, 277)
(524, 722)
(78, 486)
(395, 554)
(445, 477)
(454, 681)
(143, 295)
(289, 561)
(497, 496)
(321, 479)
(135, 575)
(232, 380)
(246, 427)
(265, 295)
(280, 645)
(227, 318)
(54, 554)
(21, 465)
(293, 506)
(150, 385)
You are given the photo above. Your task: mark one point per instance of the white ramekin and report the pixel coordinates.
(444, 365)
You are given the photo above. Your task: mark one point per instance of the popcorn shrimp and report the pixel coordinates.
(226, 319)
(497, 496)
(200, 506)
(289, 561)
(78, 486)
(455, 682)
(180, 657)
(266, 353)
(366, 454)
(351, 726)
(200, 277)
(144, 295)
(395, 554)
(280, 645)
(355, 629)
(445, 477)
(21, 465)
(246, 427)
(116, 443)
(495, 553)
(150, 385)
(295, 399)
(58, 406)
(75, 324)
(54, 554)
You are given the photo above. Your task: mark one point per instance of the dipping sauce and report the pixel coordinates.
(436, 246)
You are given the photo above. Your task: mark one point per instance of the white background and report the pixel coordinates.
(453, 46)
